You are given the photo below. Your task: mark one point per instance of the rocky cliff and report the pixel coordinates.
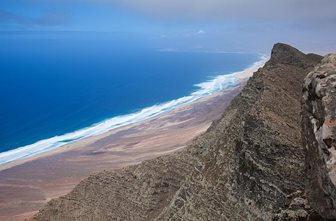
(319, 136)
(249, 165)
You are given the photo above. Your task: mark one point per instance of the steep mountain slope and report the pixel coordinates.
(249, 165)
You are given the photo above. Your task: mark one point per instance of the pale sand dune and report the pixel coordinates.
(27, 184)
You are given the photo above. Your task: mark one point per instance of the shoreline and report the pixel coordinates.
(91, 140)
(52, 145)
(27, 184)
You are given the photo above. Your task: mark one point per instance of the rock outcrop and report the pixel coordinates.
(249, 165)
(319, 135)
(285, 54)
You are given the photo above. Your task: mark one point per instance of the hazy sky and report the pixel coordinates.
(246, 25)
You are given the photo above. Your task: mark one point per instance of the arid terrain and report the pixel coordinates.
(25, 186)
(249, 165)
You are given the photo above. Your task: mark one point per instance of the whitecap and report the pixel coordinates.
(207, 88)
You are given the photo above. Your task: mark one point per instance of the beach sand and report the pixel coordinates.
(26, 185)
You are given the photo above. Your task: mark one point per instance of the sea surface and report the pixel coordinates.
(56, 89)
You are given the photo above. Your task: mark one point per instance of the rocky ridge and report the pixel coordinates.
(249, 165)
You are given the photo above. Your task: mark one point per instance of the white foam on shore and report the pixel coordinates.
(212, 86)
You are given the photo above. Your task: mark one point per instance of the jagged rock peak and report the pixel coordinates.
(286, 54)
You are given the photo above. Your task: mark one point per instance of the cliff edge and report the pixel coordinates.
(319, 136)
(249, 165)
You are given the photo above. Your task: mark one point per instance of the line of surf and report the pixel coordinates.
(212, 86)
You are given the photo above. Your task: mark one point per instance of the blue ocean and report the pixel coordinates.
(55, 89)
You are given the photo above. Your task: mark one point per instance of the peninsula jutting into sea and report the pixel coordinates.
(167, 110)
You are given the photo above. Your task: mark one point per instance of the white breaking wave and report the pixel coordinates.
(212, 86)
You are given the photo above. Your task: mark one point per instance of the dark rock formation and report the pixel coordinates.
(285, 54)
(319, 135)
(249, 165)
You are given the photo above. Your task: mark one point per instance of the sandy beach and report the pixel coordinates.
(27, 184)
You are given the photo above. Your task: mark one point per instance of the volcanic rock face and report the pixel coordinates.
(319, 133)
(249, 165)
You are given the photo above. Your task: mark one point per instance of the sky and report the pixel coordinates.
(233, 25)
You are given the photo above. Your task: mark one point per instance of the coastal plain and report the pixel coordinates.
(27, 184)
